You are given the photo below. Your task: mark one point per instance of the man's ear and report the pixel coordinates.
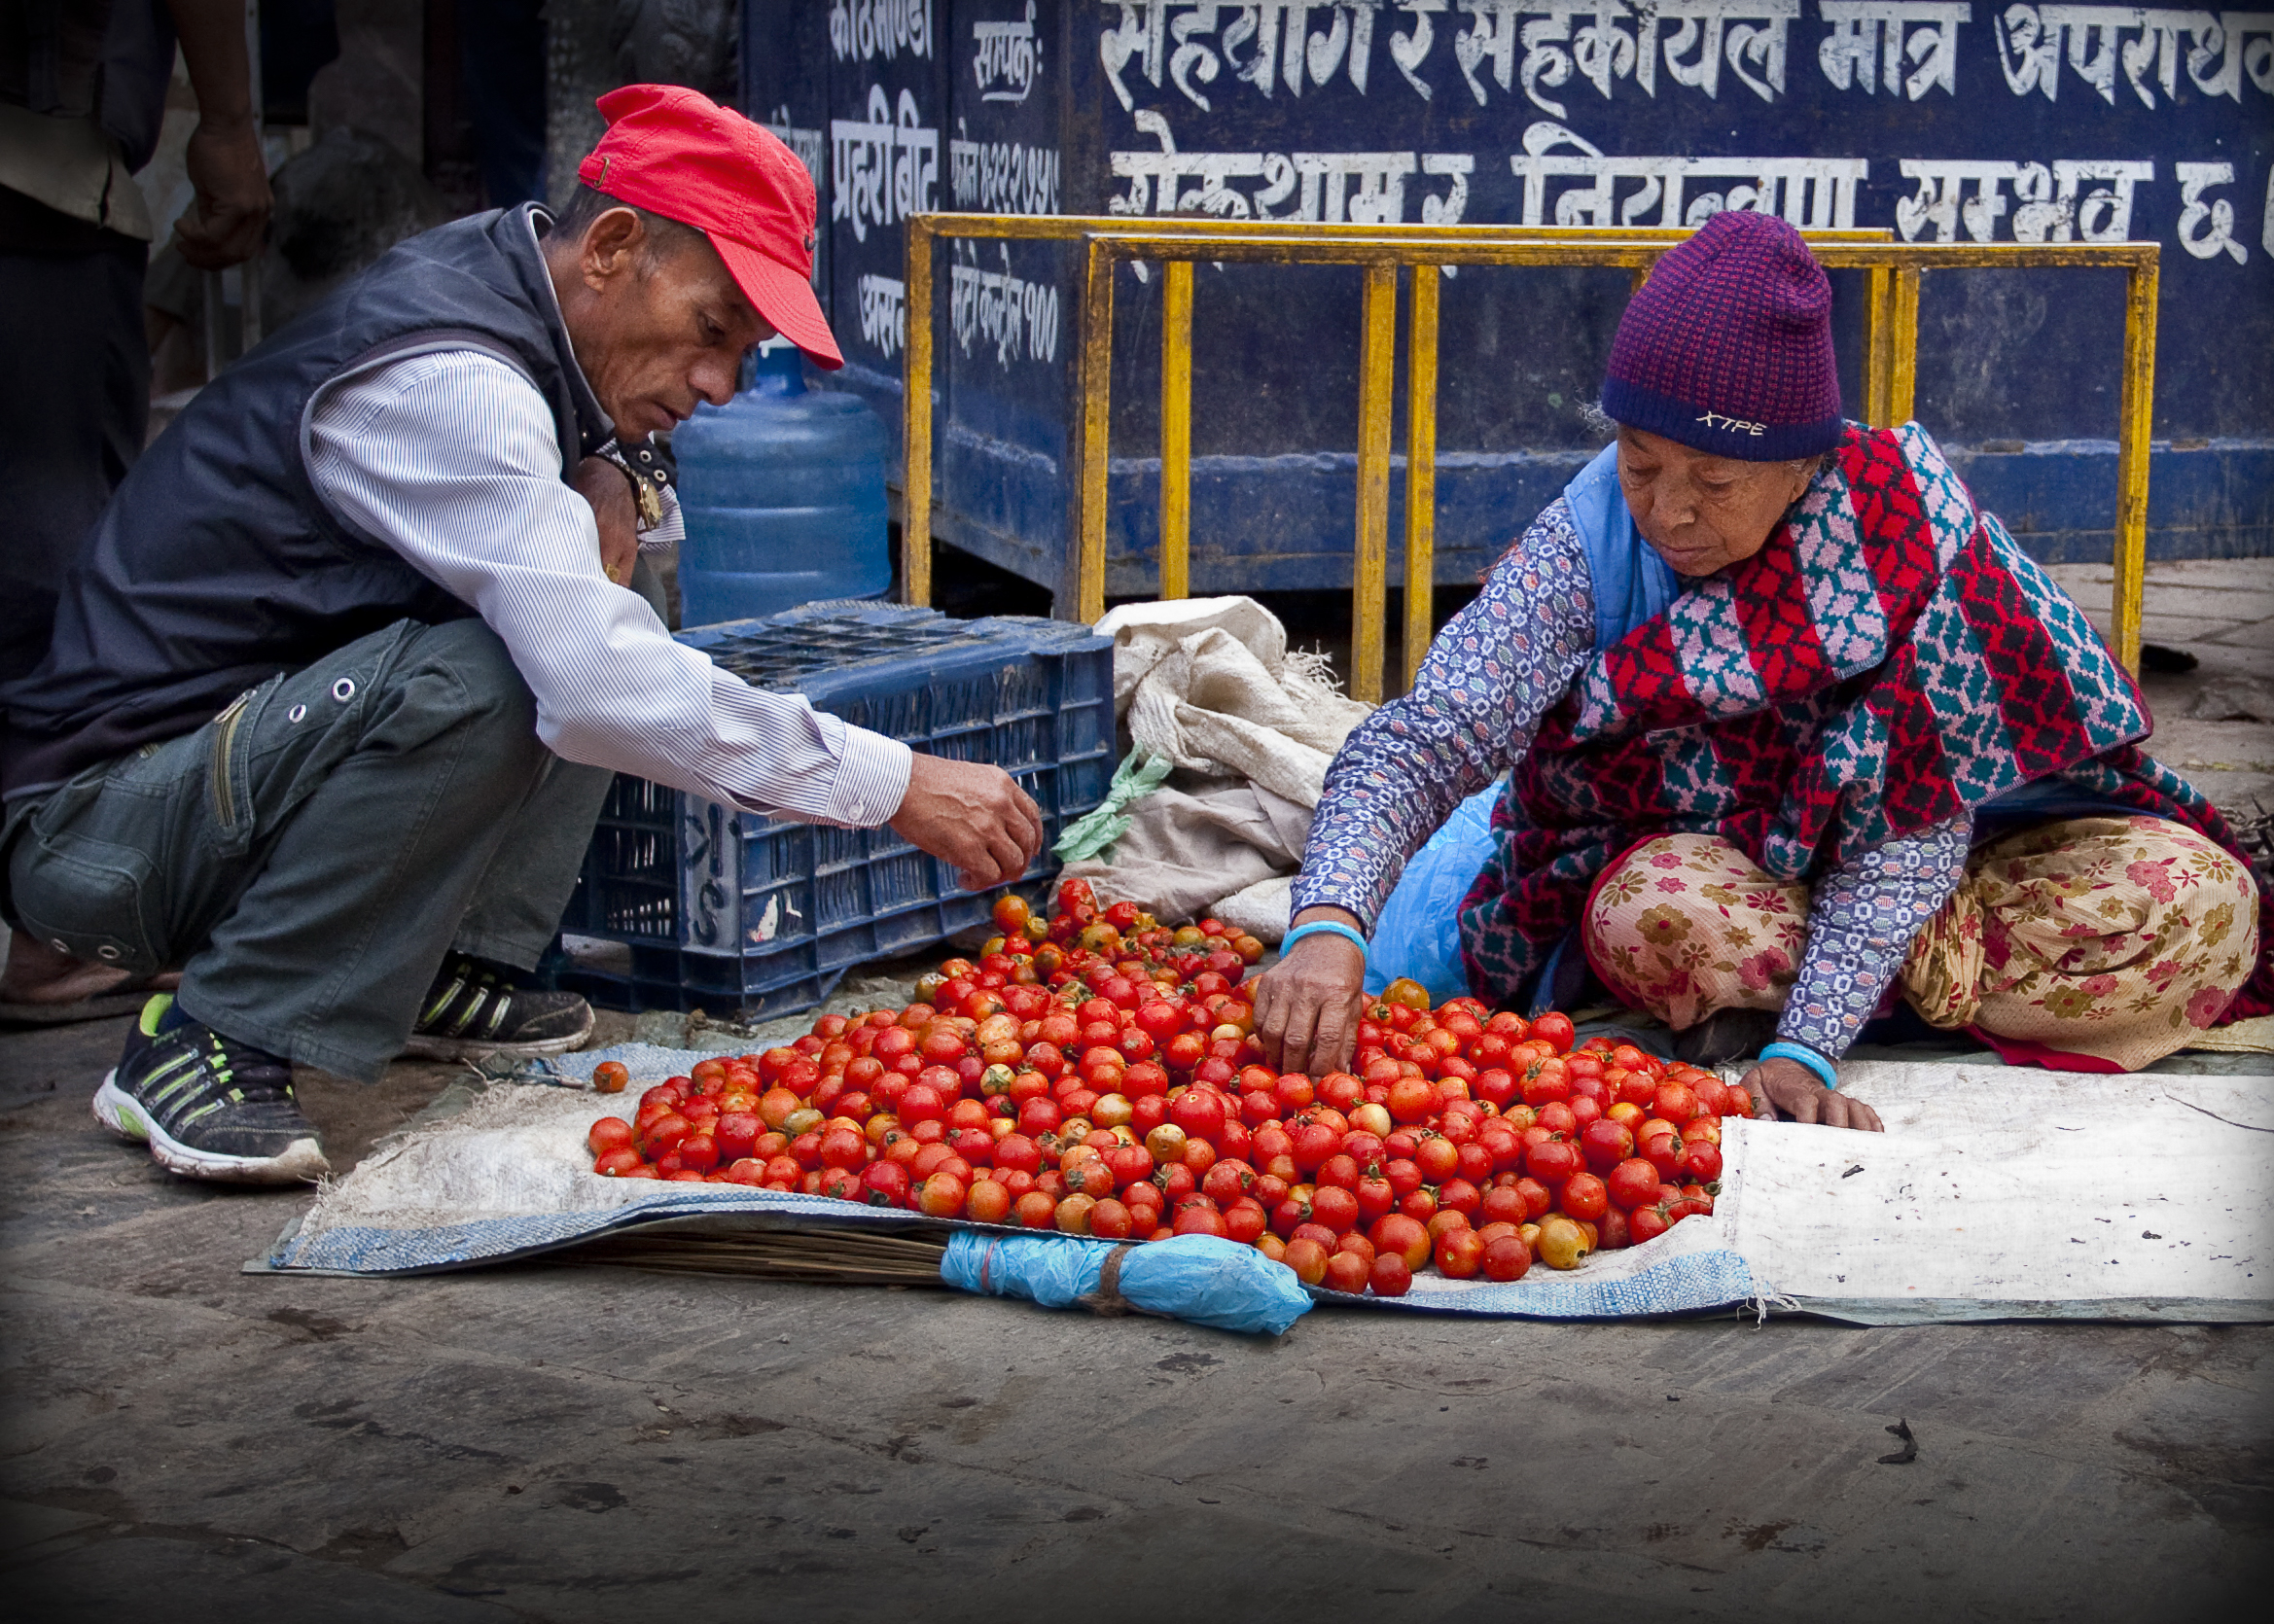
(610, 247)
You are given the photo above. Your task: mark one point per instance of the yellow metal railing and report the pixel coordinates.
(1890, 344)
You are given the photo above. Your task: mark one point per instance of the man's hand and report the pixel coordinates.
(224, 225)
(1307, 1005)
(603, 484)
(224, 160)
(971, 815)
(1789, 1087)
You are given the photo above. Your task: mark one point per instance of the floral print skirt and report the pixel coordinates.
(2116, 938)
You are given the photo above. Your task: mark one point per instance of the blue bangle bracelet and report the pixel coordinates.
(1319, 928)
(1808, 1057)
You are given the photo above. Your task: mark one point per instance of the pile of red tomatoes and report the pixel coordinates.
(1097, 1074)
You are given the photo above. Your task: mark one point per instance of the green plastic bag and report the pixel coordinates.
(1093, 834)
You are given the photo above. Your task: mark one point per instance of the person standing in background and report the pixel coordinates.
(83, 86)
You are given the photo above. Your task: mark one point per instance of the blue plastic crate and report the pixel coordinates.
(738, 915)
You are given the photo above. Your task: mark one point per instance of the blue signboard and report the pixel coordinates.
(1941, 119)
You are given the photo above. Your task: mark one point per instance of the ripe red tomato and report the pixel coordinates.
(1199, 1112)
(1605, 1144)
(1090, 1178)
(1459, 1253)
(1313, 1143)
(1703, 1162)
(1376, 1195)
(664, 1133)
(1034, 1211)
(1438, 1159)
(1647, 1223)
(1194, 1218)
(886, 1184)
(1412, 1100)
(1610, 1230)
(1334, 1206)
(1506, 1257)
(1396, 1234)
(1504, 1204)
(616, 1162)
(1553, 1160)
(609, 1133)
(941, 1195)
(1391, 1276)
(1227, 1181)
(1584, 1197)
(1110, 1220)
(1633, 1183)
(1307, 1258)
(1554, 1029)
(1545, 1083)
(1663, 1151)
(1243, 1221)
(1347, 1271)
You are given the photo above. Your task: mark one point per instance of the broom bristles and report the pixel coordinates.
(821, 1256)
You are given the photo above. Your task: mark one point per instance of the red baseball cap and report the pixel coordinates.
(683, 155)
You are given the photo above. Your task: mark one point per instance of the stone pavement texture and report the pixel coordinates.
(2215, 724)
(181, 1441)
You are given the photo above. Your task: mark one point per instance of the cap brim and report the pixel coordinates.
(782, 297)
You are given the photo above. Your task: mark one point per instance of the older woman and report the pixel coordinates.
(1791, 730)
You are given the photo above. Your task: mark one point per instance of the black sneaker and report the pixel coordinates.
(476, 1010)
(208, 1107)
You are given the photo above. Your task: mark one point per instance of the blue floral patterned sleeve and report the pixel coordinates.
(1491, 674)
(1860, 922)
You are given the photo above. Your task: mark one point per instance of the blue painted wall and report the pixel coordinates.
(1984, 122)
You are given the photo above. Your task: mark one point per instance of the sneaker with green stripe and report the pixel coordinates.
(207, 1106)
(477, 1010)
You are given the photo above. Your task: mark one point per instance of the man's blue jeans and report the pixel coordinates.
(308, 857)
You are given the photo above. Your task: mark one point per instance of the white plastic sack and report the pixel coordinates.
(1209, 684)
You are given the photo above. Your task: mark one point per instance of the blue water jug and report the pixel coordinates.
(783, 489)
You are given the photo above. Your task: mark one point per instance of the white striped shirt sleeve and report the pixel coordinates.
(450, 459)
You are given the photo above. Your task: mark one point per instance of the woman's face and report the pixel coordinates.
(1700, 513)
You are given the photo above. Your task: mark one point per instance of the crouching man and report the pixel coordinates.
(339, 677)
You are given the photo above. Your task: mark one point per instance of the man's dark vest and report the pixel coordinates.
(217, 565)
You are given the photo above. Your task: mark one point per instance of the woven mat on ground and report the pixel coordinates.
(1997, 1193)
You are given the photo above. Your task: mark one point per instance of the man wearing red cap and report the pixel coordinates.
(341, 677)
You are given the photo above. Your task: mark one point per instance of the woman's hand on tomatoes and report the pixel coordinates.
(1307, 1004)
(1788, 1088)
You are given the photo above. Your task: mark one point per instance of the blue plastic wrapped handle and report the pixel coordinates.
(1201, 1279)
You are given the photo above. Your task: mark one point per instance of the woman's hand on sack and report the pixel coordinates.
(1307, 1005)
(603, 485)
(1787, 1089)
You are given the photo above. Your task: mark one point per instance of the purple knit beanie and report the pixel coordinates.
(1727, 347)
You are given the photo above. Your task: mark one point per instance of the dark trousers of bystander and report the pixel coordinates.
(76, 405)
